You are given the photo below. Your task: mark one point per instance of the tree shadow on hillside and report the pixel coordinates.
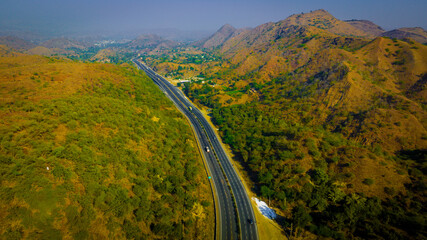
(418, 155)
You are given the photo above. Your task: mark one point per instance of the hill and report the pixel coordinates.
(8, 52)
(324, 20)
(367, 26)
(150, 42)
(372, 69)
(266, 48)
(104, 55)
(40, 50)
(218, 38)
(326, 120)
(87, 152)
(25, 35)
(417, 33)
(62, 43)
(16, 43)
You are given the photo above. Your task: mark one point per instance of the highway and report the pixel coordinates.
(224, 177)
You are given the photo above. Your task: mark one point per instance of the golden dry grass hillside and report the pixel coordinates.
(324, 20)
(344, 74)
(40, 50)
(103, 55)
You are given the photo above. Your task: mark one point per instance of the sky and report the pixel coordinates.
(96, 16)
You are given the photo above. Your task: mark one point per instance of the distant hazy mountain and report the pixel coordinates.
(16, 43)
(366, 26)
(62, 43)
(177, 35)
(150, 41)
(26, 35)
(219, 37)
(416, 33)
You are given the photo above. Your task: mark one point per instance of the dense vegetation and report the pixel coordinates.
(98, 160)
(309, 174)
(183, 63)
(91, 54)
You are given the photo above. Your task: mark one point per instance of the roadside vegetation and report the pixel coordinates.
(184, 63)
(329, 125)
(323, 183)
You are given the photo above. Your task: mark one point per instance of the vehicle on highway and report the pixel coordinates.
(250, 221)
(190, 108)
(207, 149)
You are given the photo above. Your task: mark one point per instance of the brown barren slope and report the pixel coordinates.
(417, 33)
(367, 26)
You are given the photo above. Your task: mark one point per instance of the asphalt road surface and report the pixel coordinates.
(224, 177)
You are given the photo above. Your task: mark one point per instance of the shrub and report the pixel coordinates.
(319, 176)
(205, 203)
(333, 159)
(300, 216)
(389, 190)
(368, 181)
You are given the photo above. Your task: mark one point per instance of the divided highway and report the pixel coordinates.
(218, 164)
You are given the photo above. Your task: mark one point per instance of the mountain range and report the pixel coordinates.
(309, 45)
(327, 118)
(286, 94)
(321, 19)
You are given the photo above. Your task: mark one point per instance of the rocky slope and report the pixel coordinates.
(218, 38)
(347, 71)
(329, 121)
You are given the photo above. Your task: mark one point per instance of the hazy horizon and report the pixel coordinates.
(131, 16)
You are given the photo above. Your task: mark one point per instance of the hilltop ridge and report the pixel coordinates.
(321, 114)
(417, 33)
(62, 43)
(16, 43)
(322, 19)
(367, 26)
(218, 38)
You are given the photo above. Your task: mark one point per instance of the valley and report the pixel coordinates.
(323, 119)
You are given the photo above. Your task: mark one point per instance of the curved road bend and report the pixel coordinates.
(228, 228)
